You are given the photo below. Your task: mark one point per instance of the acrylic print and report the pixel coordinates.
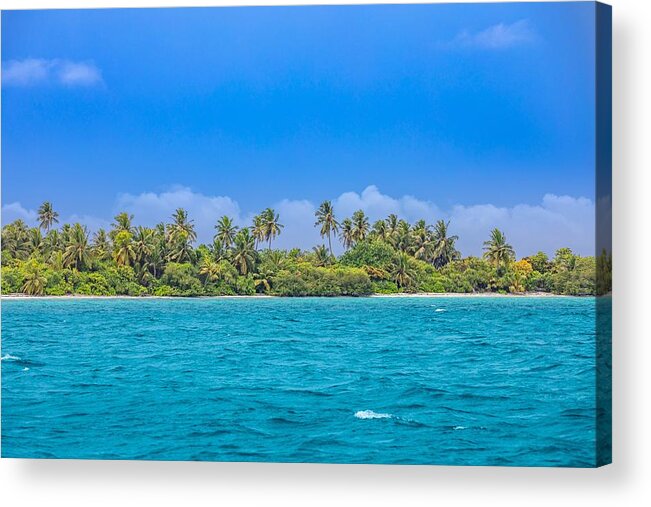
(334, 234)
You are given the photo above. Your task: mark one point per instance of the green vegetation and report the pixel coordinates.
(387, 257)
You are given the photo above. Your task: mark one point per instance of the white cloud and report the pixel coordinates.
(150, 208)
(25, 72)
(33, 71)
(78, 73)
(378, 205)
(555, 222)
(15, 211)
(499, 36)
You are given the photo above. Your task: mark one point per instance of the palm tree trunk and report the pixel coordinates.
(329, 244)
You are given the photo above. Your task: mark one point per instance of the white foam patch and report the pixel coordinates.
(440, 310)
(459, 428)
(369, 414)
(9, 357)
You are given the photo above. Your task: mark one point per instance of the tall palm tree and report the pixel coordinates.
(244, 253)
(272, 227)
(360, 225)
(422, 245)
(47, 216)
(226, 231)
(325, 217)
(497, 251)
(77, 251)
(66, 234)
(444, 249)
(143, 246)
(122, 222)
(159, 253)
(181, 235)
(259, 230)
(182, 226)
(218, 250)
(401, 239)
(101, 245)
(380, 230)
(123, 252)
(392, 224)
(347, 237)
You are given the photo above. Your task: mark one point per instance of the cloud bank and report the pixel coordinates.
(555, 222)
(496, 37)
(34, 71)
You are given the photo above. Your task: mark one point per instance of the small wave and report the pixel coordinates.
(440, 310)
(369, 414)
(9, 357)
(25, 368)
(456, 428)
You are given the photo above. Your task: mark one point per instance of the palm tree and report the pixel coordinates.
(392, 224)
(218, 250)
(181, 235)
(143, 246)
(322, 257)
(360, 225)
(402, 270)
(272, 227)
(421, 241)
(47, 216)
(444, 249)
(36, 243)
(380, 230)
(274, 261)
(101, 247)
(123, 253)
(76, 253)
(347, 237)
(325, 217)
(262, 279)
(15, 239)
(159, 253)
(52, 242)
(226, 231)
(497, 251)
(35, 281)
(214, 270)
(401, 238)
(244, 253)
(258, 230)
(122, 223)
(182, 227)
(66, 234)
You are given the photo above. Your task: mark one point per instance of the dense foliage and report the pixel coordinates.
(386, 257)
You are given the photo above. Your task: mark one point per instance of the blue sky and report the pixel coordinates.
(483, 114)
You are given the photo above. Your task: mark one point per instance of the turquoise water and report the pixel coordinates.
(462, 381)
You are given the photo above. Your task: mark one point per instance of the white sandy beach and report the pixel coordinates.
(266, 296)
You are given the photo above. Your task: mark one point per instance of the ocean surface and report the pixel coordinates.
(458, 381)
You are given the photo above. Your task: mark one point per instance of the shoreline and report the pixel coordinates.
(400, 295)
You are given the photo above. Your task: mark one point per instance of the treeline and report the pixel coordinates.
(388, 256)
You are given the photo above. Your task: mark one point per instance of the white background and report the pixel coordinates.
(626, 482)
